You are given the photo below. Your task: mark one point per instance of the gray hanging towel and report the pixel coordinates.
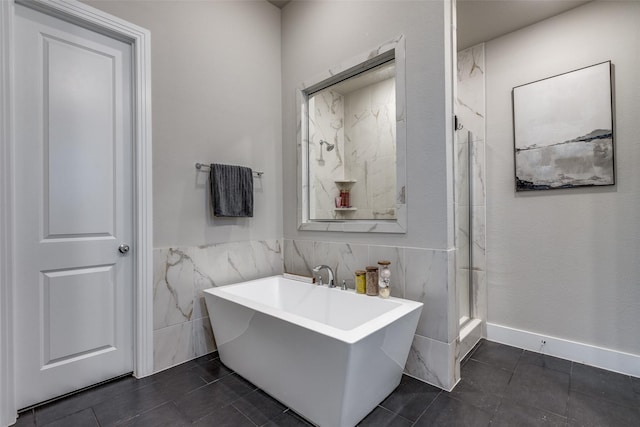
(231, 190)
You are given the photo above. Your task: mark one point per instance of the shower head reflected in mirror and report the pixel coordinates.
(329, 146)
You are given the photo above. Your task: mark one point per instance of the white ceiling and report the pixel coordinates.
(484, 20)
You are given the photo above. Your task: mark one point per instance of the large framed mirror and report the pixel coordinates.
(352, 145)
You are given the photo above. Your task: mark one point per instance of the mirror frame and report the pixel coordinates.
(394, 49)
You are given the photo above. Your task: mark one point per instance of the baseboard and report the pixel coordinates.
(612, 360)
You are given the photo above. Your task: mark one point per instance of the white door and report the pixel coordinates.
(73, 198)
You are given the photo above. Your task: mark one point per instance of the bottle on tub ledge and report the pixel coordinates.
(361, 281)
(372, 280)
(384, 279)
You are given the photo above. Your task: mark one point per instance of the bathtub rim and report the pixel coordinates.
(350, 336)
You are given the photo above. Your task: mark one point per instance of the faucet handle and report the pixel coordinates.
(344, 285)
(319, 280)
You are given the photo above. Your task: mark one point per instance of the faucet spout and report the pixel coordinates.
(317, 269)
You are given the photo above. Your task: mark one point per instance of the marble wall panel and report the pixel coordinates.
(344, 258)
(212, 266)
(382, 188)
(173, 287)
(172, 345)
(418, 274)
(298, 256)
(254, 260)
(477, 166)
(326, 122)
(453, 313)
(212, 269)
(370, 149)
(433, 361)
(203, 340)
(478, 244)
(461, 165)
(470, 101)
(426, 279)
(479, 296)
(463, 275)
(462, 237)
(182, 329)
(396, 257)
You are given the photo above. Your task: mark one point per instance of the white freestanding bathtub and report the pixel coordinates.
(330, 355)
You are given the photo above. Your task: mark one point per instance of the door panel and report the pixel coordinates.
(64, 338)
(73, 207)
(79, 99)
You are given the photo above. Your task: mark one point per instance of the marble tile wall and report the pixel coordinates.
(470, 193)
(181, 324)
(362, 125)
(417, 274)
(370, 149)
(326, 122)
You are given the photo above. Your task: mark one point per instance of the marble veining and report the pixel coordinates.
(345, 259)
(470, 101)
(181, 325)
(326, 123)
(203, 340)
(426, 273)
(362, 127)
(173, 288)
(419, 272)
(298, 256)
(432, 361)
(370, 131)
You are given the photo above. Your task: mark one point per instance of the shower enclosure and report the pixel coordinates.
(470, 196)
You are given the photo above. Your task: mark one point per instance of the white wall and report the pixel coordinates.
(564, 263)
(319, 35)
(216, 98)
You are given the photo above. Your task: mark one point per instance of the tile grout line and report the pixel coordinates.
(427, 408)
(242, 413)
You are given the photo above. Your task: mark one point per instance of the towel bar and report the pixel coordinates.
(205, 165)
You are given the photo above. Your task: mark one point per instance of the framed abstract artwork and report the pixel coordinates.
(563, 130)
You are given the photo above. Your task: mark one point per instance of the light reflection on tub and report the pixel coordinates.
(330, 355)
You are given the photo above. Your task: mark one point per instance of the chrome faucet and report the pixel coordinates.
(316, 270)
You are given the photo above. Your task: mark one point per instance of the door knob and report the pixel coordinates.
(123, 248)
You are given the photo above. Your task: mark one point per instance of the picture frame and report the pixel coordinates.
(563, 130)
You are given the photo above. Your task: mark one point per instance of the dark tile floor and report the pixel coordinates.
(501, 386)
